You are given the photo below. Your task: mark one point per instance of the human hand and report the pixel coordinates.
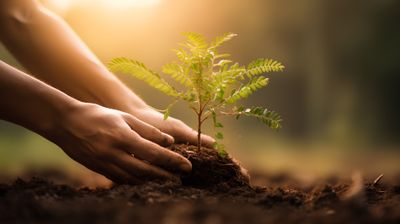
(180, 131)
(116, 144)
(172, 126)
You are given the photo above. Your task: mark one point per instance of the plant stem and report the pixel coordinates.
(199, 130)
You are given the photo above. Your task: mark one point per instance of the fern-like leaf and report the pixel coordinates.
(222, 63)
(248, 89)
(261, 66)
(195, 40)
(268, 117)
(182, 55)
(222, 39)
(140, 71)
(178, 73)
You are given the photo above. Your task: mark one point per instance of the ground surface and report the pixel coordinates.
(40, 201)
(228, 199)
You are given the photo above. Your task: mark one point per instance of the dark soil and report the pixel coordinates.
(209, 169)
(228, 199)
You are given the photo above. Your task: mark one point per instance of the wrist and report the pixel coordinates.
(58, 115)
(122, 98)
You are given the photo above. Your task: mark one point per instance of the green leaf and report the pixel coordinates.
(248, 89)
(215, 122)
(222, 39)
(261, 66)
(238, 111)
(167, 110)
(223, 62)
(139, 70)
(269, 118)
(221, 149)
(222, 56)
(222, 153)
(178, 73)
(195, 40)
(166, 114)
(214, 117)
(219, 135)
(182, 55)
(219, 93)
(189, 96)
(226, 77)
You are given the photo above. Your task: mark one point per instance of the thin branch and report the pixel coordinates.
(194, 109)
(205, 118)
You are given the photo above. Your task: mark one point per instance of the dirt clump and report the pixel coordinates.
(209, 169)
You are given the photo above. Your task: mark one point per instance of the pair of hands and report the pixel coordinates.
(101, 139)
(121, 146)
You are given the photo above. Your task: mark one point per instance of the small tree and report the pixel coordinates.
(212, 83)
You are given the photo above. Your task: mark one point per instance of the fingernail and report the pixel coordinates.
(186, 166)
(208, 141)
(169, 139)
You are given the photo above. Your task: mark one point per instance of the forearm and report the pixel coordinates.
(99, 138)
(52, 52)
(31, 103)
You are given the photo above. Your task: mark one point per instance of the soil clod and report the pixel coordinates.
(209, 169)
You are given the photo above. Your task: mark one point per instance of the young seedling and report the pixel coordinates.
(211, 84)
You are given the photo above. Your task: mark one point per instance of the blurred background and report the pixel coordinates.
(338, 95)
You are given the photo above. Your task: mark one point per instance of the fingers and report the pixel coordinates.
(149, 132)
(123, 168)
(147, 145)
(140, 169)
(155, 154)
(243, 171)
(120, 176)
(206, 140)
(112, 172)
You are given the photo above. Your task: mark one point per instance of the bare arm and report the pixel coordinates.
(101, 139)
(48, 47)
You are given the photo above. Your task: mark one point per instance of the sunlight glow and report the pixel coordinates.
(59, 5)
(127, 3)
(65, 5)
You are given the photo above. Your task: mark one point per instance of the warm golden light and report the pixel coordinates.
(65, 5)
(126, 3)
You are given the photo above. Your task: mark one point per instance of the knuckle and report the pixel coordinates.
(178, 124)
(175, 124)
(155, 131)
(154, 155)
(106, 154)
(130, 118)
(131, 140)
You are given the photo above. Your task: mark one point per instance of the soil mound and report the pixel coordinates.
(209, 169)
